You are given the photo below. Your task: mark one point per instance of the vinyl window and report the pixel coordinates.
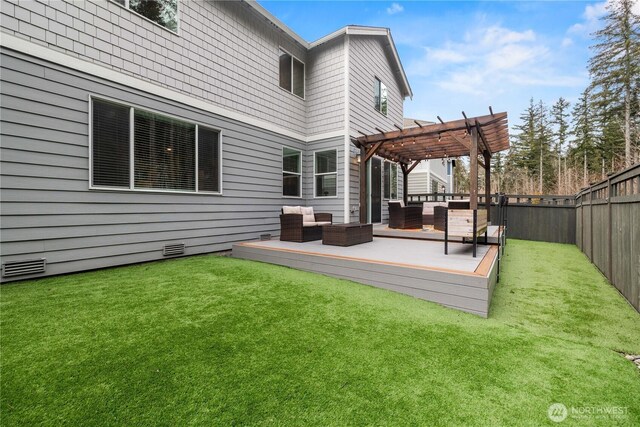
(162, 12)
(326, 173)
(137, 149)
(291, 172)
(380, 96)
(291, 74)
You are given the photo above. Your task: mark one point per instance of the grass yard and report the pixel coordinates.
(213, 340)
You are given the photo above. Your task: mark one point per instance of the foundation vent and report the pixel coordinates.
(173, 249)
(24, 267)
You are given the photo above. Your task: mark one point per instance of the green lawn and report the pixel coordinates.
(212, 340)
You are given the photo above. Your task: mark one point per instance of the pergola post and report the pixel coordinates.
(487, 184)
(363, 185)
(473, 180)
(405, 183)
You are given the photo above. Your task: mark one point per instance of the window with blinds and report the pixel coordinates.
(110, 131)
(166, 155)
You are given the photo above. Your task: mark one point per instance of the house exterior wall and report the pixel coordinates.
(48, 210)
(226, 56)
(368, 60)
(224, 53)
(325, 87)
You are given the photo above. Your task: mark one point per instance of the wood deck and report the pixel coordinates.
(410, 266)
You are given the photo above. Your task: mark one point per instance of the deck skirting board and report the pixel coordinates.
(464, 291)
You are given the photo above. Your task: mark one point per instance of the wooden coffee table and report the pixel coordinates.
(347, 234)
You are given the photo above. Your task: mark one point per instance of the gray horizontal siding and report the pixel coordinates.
(225, 52)
(333, 205)
(48, 210)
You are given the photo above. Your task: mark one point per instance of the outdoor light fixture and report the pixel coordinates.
(358, 159)
(439, 137)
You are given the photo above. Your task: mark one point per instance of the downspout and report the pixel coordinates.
(347, 137)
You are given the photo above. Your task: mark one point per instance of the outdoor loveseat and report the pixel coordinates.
(301, 224)
(401, 216)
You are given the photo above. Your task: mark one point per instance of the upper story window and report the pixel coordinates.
(139, 150)
(291, 74)
(380, 96)
(326, 173)
(162, 12)
(291, 172)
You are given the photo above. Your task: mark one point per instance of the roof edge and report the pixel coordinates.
(349, 29)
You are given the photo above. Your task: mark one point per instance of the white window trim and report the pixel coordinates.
(324, 173)
(380, 82)
(386, 161)
(294, 173)
(304, 74)
(132, 188)
(176, 32)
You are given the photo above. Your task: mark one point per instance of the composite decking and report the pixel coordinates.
(410, 266)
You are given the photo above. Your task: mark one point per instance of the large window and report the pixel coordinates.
(168, 154)
(326, 173)
(162, 12)
(380, 96)
(390, 180)
(291, 172)
(291, 74)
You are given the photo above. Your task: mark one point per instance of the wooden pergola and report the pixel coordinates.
(471, 136)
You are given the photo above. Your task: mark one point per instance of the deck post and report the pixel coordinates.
(473, 181)
(487, 184)
(405, 183)
(363, 185)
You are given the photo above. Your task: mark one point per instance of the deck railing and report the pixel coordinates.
(514, 199)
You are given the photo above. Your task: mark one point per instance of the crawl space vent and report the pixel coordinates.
(174, 249)
(24, 267)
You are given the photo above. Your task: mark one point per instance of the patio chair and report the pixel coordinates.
(301, 224)
(401, 216)
(428, 212)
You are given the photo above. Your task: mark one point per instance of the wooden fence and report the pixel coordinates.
(608, 230)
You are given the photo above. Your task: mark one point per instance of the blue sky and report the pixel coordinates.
(469, 55)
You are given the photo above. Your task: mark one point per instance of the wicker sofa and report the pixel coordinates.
(301, 224)
(401, 216)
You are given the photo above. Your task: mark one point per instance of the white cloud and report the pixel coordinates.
(395, 8)
(567, 41)
(490, 60)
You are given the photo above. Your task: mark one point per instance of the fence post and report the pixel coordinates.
(591, 223)
(610, 252)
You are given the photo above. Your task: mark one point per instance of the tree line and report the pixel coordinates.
(560, 148)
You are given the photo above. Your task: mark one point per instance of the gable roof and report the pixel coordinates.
(349, 29)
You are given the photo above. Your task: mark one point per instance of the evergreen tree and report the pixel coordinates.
(560, 121)
(583, 132)
(616, 65)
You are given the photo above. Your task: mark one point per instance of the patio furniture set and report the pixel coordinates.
(454, 218)
(301, 224)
